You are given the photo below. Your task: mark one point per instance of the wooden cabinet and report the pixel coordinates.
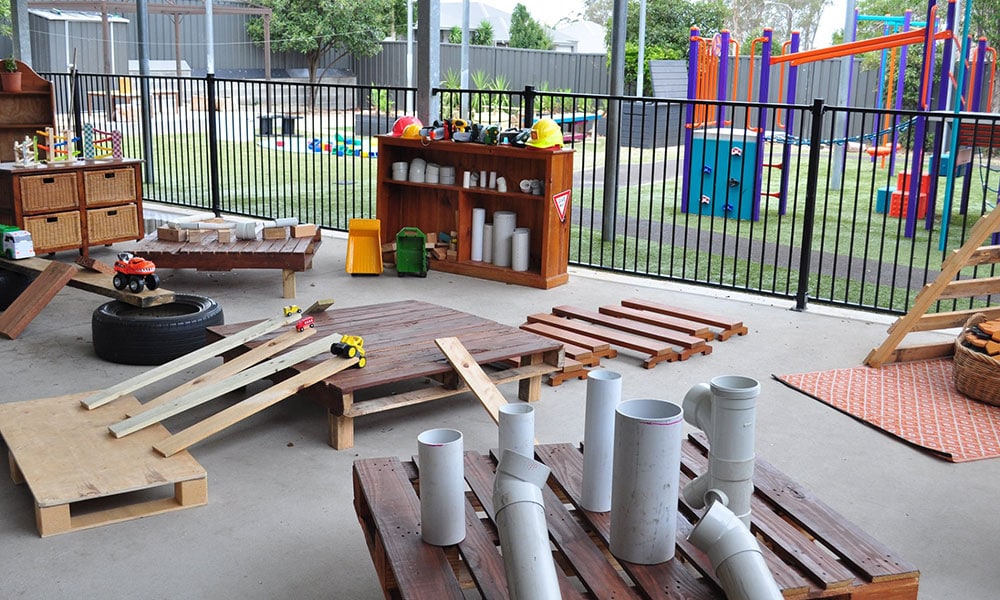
(77, 205)
(26, 112)
(435, 207)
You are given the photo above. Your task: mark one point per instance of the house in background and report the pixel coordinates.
(575, 37)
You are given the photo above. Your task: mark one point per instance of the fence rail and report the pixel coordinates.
(811, 202)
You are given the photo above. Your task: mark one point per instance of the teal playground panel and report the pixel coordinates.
(723, 171)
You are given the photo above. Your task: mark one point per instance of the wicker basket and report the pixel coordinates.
(109, 186)
(116, 223)
(47, 193)
(977, 375)
(56, 231)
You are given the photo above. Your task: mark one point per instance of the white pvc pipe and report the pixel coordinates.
(478, 221)
(520, 249)
(647, 458)
(488, 242)
(735, 554)
(517, 428)
(524, 536)
(725, 410)
(604, 392)
(504, 224)
(442, 486)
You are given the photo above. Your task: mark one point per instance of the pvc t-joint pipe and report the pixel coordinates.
(725, 410)
(738, 561)
(524, 536)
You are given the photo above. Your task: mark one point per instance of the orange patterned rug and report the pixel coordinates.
(915, 401)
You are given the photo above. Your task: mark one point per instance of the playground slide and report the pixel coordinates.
(364, 247)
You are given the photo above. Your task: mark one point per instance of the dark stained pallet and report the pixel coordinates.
(813, 551)
(728, 327)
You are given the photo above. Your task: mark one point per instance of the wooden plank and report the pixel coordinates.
(627, 340)
(955, 318)
(91, 281)
(684, 313)
(568, 337)
(230, 367)
(644, 329)
(984, 255)
(95, 265)
(179, 364)
(205, 393)
(34, 299)
(472, 374)
(251, 406)
(965, 288)
(923, 351)
(693, 328)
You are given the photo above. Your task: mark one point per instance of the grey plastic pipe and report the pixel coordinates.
(735, 555)
(524, 536)
(725, 410)
(604, 392)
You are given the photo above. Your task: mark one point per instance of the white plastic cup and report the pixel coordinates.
(604, 392)
(644, 482)
(442, 486)
(517, 429)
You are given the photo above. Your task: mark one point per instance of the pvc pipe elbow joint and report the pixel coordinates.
(697, 407)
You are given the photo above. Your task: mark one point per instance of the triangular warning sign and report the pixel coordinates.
(561, 200)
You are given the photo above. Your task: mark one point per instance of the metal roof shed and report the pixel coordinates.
(56, 34)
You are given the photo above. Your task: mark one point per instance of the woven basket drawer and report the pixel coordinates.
(54, 231)
(109, 186)
(47, 193)
(112, 224)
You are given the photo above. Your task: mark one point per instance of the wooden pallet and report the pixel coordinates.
(726, 328)
(812, 550)
(80, 477)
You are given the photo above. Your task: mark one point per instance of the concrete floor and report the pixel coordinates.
(280, 522)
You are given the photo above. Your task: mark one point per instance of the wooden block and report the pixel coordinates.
(198, 235)
(225, 236)
(35, 298)
(304, 230)
(169, 234)
(439, 254)
(92, 264)
(452, 254)
(275, 233)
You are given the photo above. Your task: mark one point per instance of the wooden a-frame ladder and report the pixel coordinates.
(945, 287)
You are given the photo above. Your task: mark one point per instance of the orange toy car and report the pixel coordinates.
(134, 273)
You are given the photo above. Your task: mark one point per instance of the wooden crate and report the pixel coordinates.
(81, 477)
(109, 186)
(112, 223)
(812, 551)
(54, 231)
(46, 193)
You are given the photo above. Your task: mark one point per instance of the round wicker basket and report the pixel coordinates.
(977, 375)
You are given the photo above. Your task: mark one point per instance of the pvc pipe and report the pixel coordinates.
(524, 536)
(725, 410)
(442, 486)
(520, 249)
(735, 554)
(647, 458)
(517, 429)
(504, 224)
(478, 221)
(488, 243)
(604, 392)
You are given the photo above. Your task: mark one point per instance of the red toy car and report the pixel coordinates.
(134, 273)
(306, 321)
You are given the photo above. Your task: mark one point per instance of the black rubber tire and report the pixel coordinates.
(12, 284)
(152, 281)
(119, 281)
(130, 335)
(135, 284)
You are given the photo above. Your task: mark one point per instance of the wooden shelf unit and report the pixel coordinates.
(74, 205)
(434, 208)
(26, 112)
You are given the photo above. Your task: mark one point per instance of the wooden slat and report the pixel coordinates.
(626, 340)
(473, 375)
(644, 329)
(183, 362)
(666, 321)
(418, 570)
(955, 318)
(34, 299)
(251, 406)
(965, 288)
(91, 281)
(214, 390)
(569, 337)
(984, 255)
(683, 313)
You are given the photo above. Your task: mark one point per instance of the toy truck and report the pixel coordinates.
(17, 244)
(134, 273)
(350, 346)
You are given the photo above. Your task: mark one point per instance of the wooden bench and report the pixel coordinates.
(812, 551)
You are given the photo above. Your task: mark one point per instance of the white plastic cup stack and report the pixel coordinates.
(400, 170)
(432, 173)
(446, 175)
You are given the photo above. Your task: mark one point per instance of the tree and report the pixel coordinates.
(399, 20)
(750, 17)
(598, 11)
(526, 32)
(455, 35)
(483, 35)
(315, 27)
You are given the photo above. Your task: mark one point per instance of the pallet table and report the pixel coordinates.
(80, 477)
(291, 255)
(812, 551)
(401, 351)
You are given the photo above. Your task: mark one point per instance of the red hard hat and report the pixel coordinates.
(401, 124)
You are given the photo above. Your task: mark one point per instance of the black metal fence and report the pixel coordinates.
(811, 202)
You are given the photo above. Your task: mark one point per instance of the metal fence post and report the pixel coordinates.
(529, 106)
(213, 147)
(809, 218)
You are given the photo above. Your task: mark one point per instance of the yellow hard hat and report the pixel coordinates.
(411, 131)
(545, 133)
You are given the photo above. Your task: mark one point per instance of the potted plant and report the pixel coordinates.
(10, 77)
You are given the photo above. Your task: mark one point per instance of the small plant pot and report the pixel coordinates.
(11, 82)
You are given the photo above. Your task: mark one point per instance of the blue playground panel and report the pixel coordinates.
(723, 167)
(882, 199)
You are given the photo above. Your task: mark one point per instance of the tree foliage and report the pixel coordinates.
(482, 36)
(598, 11)
(750, 17)
(526, 32)
(314, 28)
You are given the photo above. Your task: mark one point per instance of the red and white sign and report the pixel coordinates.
(561, 201)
